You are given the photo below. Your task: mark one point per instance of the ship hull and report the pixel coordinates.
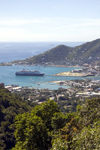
(28, 74)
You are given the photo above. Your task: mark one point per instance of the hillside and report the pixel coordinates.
(86, 53)
(56, 55)
(64, 55)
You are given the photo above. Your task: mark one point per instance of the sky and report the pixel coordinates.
(49, 20)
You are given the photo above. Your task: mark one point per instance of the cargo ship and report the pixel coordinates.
(29, 73)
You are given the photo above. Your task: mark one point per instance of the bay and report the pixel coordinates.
(7, 76)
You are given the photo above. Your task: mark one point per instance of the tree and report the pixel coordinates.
(59, 144)
(58, 120)
(32, 130)
(46, 111)
(88, 138)
(10, 106)
(31, 133)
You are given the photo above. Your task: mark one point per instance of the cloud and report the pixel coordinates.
(54, 21)
(49, 29)
(16, 22)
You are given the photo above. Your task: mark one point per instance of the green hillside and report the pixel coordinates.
(64, 55)
(55, 55)
(87, 53)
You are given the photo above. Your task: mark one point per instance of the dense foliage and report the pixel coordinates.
(72, 131)
(82, 131)
(10, 106)
(45, 127)
(34, 130)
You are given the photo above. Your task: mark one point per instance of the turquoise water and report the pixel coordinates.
(7, 76)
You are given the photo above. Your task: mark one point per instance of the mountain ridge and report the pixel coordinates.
(88, 52)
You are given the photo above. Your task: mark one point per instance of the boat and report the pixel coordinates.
(29, 73)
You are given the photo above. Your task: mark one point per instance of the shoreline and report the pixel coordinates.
(11, 64)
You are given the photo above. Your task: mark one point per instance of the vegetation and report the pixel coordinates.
(54, 55)
(82, 131)
(34, 130)
(10, 106)
(72, 131)
(45, 127)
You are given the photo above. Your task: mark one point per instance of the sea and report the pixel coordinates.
(16, 51)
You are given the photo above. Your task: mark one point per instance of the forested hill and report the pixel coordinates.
(64, 55)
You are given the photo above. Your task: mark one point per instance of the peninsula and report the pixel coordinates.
(71, 74)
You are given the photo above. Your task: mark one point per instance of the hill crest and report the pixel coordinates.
(64, 55)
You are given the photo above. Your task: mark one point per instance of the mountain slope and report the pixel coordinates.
(64, 55)
(56, 55)
(87, 53)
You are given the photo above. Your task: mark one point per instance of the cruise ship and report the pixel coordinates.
(29, 73)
